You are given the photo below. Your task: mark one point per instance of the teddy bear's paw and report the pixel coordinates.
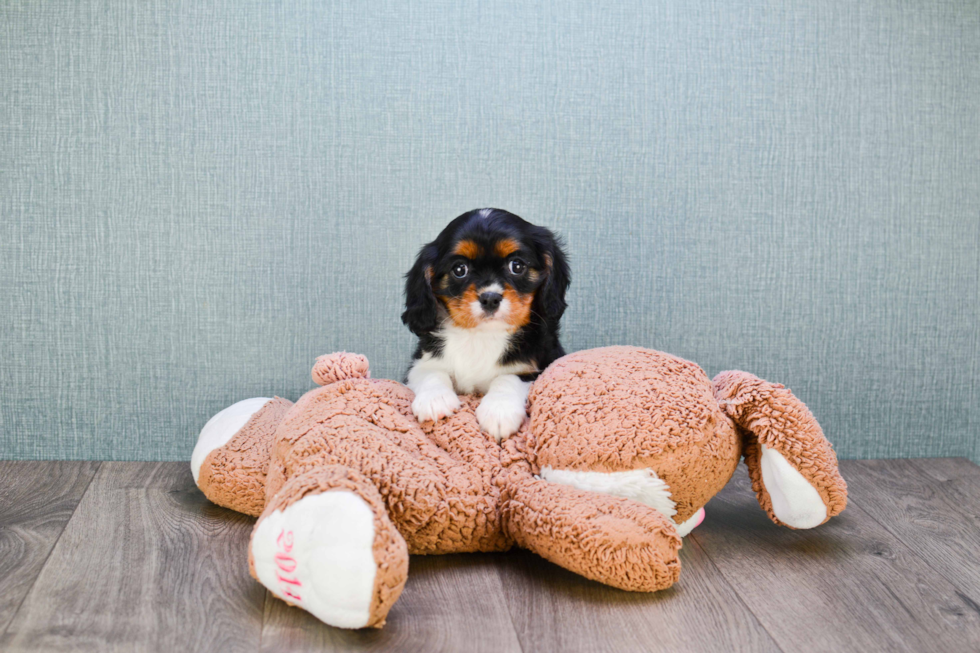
(317, 554)
(433, 402)
(795, 502)
(222, 427)
(685, 527)
(500, 415)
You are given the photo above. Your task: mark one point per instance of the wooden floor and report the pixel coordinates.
(131, 557)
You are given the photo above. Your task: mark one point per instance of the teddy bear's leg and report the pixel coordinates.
(231, 459)
(609, 539)
(326, 544)
(792, 465)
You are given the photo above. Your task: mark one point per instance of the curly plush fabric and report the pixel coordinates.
(623, 408)
(622, 445)
(442, 497)
(388, 543)
(338, 367)
(598, 536)
(234, 476)
(769, 415)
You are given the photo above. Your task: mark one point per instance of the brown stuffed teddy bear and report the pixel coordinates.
(622, 449)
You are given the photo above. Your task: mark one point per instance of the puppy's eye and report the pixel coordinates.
(517, 267)
(460, 270)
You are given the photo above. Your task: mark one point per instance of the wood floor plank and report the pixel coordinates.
(959, 474)
(146, 563)
(556, 610)
(140, 560)
(450, 603)
(937, 517)
(847, 585)
(37, 498)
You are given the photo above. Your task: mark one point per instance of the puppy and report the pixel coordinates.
(485, 299)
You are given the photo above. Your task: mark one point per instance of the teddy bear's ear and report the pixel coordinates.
(340, 366)
(792, 465)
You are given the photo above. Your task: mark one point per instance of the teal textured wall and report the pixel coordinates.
(197, 198)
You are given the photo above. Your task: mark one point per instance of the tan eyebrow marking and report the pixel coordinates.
(468, 248)
(506, 247)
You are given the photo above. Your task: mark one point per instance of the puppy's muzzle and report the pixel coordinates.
(490, 302)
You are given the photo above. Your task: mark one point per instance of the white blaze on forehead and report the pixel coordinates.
(640, 485)
(493, 287)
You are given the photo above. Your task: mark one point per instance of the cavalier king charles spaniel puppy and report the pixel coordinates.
(485, 299)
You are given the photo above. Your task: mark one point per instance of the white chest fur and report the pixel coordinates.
(471, 357)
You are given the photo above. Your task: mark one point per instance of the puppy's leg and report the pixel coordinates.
(504, 407)
(434, 394)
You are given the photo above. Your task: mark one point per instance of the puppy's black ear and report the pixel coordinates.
(551, 294)
(421, 309)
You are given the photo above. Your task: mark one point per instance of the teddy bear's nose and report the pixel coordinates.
(490, 301)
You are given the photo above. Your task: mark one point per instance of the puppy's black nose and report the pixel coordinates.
(489, 301)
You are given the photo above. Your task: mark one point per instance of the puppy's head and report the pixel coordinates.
(487, 269)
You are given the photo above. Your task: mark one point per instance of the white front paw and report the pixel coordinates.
(434, 402)
(500, 415)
